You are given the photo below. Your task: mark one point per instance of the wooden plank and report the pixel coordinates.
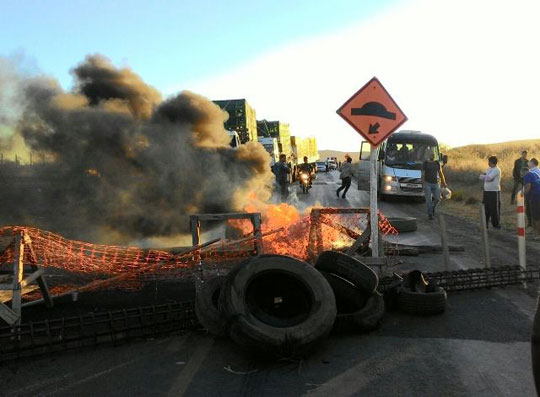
(8, 315)
(256, 220)
(363, 239)
(5, 296)
(32, 277)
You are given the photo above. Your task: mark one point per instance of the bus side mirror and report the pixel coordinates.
(444, 159)
(381, 154)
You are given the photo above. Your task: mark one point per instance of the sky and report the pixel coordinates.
(465, 71)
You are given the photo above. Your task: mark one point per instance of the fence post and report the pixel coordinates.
(483, 227)
(521, 229)
(444, 242)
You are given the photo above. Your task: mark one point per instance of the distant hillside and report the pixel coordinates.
(340, 155)
(465, 163)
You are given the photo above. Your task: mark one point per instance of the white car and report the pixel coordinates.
(332, 165)
(321, 166)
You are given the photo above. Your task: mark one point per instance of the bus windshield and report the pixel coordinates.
(409, 155)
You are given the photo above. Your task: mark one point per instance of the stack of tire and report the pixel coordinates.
(281, 306)
(360, 308)
(415, 295)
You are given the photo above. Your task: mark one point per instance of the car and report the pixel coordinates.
(321, 166)
(332, 165)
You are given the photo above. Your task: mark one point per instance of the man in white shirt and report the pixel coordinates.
(492, 192)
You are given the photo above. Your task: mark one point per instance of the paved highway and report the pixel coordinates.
(478, 347)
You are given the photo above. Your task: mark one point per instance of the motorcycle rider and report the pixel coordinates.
(305, 168)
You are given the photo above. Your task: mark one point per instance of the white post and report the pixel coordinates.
(521, 229)
(374, 212)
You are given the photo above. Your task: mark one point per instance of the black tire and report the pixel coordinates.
(206, 306)
(404, 224)
(421, 302)
(277, 305)
(349, 299)
(349, 268)
(366, 319)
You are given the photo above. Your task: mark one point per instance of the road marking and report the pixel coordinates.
(182, 382)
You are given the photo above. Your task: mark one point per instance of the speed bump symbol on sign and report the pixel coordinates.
(372, 112)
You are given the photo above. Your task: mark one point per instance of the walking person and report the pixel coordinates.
(431, 172)
(492, 192)
(282, 175)
(532, 193)
(345, 176)
(517, 175)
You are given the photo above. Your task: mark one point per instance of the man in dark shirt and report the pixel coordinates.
(517, 175)
(431, 170)
(282, 175)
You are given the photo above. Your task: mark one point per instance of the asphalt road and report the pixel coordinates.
(478, 347)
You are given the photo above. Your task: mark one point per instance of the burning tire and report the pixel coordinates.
(278, 305)
(206, 306)
(349, 268)
(405, 224)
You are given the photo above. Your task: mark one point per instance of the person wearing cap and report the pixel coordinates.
(492, 192)
(531, 183)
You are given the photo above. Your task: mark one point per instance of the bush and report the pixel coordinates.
(458, 195)
(472, 201)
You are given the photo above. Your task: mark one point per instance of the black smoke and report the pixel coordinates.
(122, 164)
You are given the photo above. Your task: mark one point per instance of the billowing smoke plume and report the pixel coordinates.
(125, 162)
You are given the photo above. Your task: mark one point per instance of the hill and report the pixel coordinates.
(340, 155)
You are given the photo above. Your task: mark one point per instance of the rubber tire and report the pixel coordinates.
(349, 268)
(256, 336)
(366, 319)
(349, 299)
(422, 303)
(207, 307)
(404, 224)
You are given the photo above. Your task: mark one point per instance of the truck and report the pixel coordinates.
(400, 159)
(272, 147)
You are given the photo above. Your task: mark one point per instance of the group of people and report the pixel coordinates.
(526, 177)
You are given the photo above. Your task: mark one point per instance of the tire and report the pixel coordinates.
(277, 305)
(349, 268)
(404, 224)
(422, 303)
(206, 306)
(368, 318)
(349, 299)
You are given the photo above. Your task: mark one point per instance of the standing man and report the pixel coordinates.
(519, 164)
(431, 171)
(492, 192)
(532, 194)
(282, 175)
(345, 176)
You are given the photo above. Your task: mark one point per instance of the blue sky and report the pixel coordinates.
(166, 42)
(465, 71)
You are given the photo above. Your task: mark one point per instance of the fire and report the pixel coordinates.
(93, 172)
(297, 239)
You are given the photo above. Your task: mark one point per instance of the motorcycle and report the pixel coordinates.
(305, 182)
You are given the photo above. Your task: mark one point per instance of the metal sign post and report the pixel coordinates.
(374, 211)
(373, 113)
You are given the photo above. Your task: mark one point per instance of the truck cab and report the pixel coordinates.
(400, 160)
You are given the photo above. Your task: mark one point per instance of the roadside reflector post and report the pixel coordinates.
(483, 227)
(444, 242)
(374, 211)
(521, 230)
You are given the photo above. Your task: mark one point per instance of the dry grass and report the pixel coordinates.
(466, 163)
